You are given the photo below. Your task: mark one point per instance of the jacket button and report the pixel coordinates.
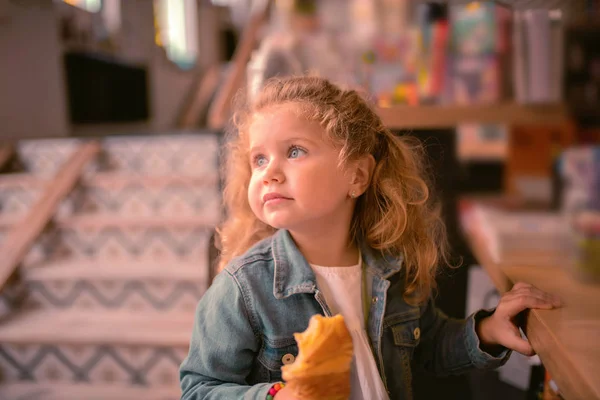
(417, 333)
(374, 300)
(288, 359)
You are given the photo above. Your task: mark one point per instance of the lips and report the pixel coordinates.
(274, 196)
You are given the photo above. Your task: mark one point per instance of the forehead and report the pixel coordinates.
(282, 122)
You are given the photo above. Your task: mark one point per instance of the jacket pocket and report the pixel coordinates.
(274, 355)
(405, 328)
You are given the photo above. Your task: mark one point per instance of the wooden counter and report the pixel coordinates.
(566, 339)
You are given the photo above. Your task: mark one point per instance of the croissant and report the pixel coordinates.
(322, 368)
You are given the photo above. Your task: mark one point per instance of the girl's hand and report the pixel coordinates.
(500, 328)
(285, 394)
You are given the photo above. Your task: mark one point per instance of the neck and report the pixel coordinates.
(327, 246)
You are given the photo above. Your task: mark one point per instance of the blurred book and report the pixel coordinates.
(432, 18)
(479, 54)
(538, 42)
(580, 172)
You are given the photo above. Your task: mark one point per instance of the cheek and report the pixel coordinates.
(321, 187)
(253, 194)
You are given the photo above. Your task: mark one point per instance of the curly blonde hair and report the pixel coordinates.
(395, 215)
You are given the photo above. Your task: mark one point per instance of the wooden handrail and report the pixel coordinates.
(220, 110)
(21, 237)
(198, 105)
(563, 338)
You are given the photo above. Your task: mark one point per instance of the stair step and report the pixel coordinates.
(63, 391)
(22, 179)
(133, 286)
(98, 348)
(110, 327)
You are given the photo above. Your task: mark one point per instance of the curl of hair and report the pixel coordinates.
(395, 215)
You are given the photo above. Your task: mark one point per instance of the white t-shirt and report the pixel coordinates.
(342, 288)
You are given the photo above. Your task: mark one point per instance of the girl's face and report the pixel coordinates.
(296, 182)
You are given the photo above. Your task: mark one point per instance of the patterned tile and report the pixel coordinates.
(17, 199)
(44, 157)
(99, 364)
(137, 200)
(134, 295)
(114, 243)
(174, 154)
(12, 297)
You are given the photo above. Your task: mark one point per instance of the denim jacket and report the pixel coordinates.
(245, 323)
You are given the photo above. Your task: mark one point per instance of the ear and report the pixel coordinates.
(361, 174)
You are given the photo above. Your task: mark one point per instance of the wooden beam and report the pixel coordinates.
(197, 107)
(220, 110)
(19, 240)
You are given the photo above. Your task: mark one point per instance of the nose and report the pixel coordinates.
(273, 173)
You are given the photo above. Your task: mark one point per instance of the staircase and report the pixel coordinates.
(101, 305)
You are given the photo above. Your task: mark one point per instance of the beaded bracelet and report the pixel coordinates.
(274, 389)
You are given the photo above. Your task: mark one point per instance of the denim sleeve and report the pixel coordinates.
(223, 347)
(451, 346)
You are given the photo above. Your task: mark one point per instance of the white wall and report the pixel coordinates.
(31, 82)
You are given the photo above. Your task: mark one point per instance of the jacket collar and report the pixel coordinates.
(294, 275)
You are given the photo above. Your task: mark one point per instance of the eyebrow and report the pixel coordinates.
(288, 140)
(296, 139)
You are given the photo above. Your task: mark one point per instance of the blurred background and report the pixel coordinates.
(112, 114)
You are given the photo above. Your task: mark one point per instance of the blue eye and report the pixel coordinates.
(296, 152)
(260, 160)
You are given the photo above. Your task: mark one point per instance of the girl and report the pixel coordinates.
(328, 213)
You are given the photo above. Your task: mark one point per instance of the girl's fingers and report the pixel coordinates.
(520, 285)
(518, 344)
(535, 292)
(516, 304)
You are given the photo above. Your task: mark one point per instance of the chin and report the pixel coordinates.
(279, 223)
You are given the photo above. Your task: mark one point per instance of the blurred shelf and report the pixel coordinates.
(439, 116)
(522, 4)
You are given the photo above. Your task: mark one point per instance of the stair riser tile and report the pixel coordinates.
(115, 295)
(44, 157)
(136, 201)
(187, 155)
(117, 244)
(155, 366)
(16, 200)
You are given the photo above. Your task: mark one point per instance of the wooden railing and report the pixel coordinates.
(199, 102)
(220, 110)
(21, 237)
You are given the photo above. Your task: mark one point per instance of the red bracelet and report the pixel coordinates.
(274, 389)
